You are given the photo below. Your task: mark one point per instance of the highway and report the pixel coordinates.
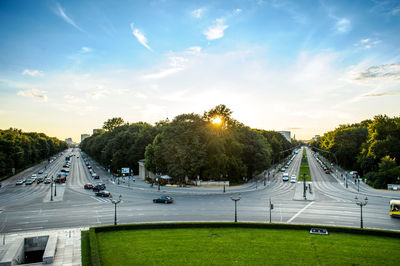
(24, 208)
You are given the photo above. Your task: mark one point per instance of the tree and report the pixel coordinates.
(112, 123)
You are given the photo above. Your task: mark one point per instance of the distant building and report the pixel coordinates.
(316, 137)
(95, 130)
(84, 136)
(143, 172)
(69, 141)
(286, 134)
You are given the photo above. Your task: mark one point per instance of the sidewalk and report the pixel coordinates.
(68, 250)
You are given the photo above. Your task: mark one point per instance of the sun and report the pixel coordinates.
(216, 120)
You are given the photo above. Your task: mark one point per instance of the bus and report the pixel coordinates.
(395, 208)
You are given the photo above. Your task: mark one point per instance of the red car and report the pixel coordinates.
(327, 171)
(88, 186)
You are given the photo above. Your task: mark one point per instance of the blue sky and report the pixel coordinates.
(303, 66)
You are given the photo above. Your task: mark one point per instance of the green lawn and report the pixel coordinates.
(243, 246)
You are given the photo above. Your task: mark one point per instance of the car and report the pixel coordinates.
(64, 170)
(47, 181)
(89, 167)
(95, 176)
(88, 186)
(293, 179)
(20, 181)
(40, 179)
(60, 179)
(327, 171)
(99, 186)
(164, 199)
(103, 193)
(285, 177)
(34, 176)
(28, 182)
(40, 172)
(45, 175)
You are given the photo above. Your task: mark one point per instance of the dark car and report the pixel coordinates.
(103, 193)
(99, 186)
(88, 186)
(164, 199)
(40, 179)
(327, 171)
(29, 181)
(47, 181)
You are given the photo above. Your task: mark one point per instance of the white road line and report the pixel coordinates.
(297, 214)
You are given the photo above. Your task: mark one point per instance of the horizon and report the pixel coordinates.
(304, 67)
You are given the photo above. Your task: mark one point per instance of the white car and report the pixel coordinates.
(293, 179)
(285, 177)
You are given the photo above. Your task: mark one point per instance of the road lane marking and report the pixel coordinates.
(297, 214)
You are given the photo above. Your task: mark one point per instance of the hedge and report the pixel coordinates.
(94, 247)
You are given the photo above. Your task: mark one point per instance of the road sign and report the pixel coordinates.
(125, 170)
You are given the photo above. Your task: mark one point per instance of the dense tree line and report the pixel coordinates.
(19, 149)
(212, 146)
(372, 147)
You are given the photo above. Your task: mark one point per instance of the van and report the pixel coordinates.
(285, 177)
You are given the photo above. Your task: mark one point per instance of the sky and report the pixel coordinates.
(301, 66)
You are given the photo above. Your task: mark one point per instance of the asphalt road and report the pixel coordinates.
(25, 208)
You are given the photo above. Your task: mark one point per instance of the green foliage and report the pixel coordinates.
(362, 147)
(19, 150)
(123, 146)
(189, 146)
(85, 249)
(112, 123)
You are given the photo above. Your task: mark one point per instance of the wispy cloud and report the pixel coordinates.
(85, 50)
(388, 71)
(32, 73)
(343, 25)
(198, 12)
(61, 12)
(73, 99)
(381, 94)
(216, 31)
(237, 11)
(140, 37)
(367, 43)
(34, 93)
(177, 62)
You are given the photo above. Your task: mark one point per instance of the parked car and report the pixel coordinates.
(99, 186)
(164, 199)
(20, 181)
(103, 193)
(327, 171)
(47, 181)
(40, 179)
(88, 186)
(28, 182)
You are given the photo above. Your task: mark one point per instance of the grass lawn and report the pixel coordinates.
(243, 246)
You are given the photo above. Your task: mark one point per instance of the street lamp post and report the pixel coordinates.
(361, 204)
(51, 189)
(304, 186)
(55, 189)
(236, 199)
(115, 202)
(271, 207)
